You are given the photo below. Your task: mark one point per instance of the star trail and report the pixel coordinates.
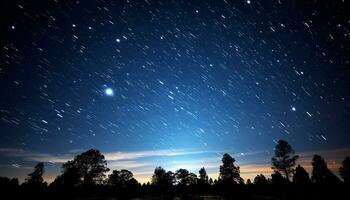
(172, 83)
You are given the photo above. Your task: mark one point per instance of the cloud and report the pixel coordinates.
(114, 156)
(33, 156)
(126, 164)
(109, 156)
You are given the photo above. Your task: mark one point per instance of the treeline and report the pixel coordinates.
(85, 176)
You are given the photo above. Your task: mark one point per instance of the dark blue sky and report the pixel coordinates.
(189, 77)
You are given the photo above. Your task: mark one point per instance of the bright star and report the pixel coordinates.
(248, 1)
(109, 92)
(293, 109)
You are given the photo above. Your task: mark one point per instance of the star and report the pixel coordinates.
(109, 92)
(294, 109)
(148, 81)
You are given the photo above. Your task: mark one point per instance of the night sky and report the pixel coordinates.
(173, 83)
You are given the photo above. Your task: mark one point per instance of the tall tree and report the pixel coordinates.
(36, 177)
(284, 159)
(162, 178)
(91, 166)
(301, 176)
(344, 170)
(121, 178)
(229, 173)
(278, 179)
(203, 177)
(184, 177)
(70, 177)
(7, 183)
(320, 172)
(249, 182)
(260, 180)
(211, 182)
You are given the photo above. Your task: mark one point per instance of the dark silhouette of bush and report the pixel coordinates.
(344, 170)
(8, 185)
(90, 166)
(203, 177)
(210, 181)
(320, 172)
(301, 176)
(123, 183)
(185, 178)
(162, 181)
(248, 182)
(121, 178)
(69, 178)
(36, 177)
(260, 180)
(284, 159)
(185, 182)
(203, 182)
(34, 185)
(278, 179)
(162, 178)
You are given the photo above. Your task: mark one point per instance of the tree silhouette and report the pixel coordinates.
(320, 172)
(344, 170)
(91, 166)
(301, 176)
(70, 176)
(211, 182)
(6, 183)
(260, 180)
(122, 185)
(184, 177)
(249, 182)
(162, 178)
(203, 177)
(36, 177)
(278, 179)
(229, 173)
(284, 159)
(121, 178)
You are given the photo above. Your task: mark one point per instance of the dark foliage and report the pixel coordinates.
(320, 172)
(89, 166)
(121, 178)
(36, 177)
(284, 159)
(162, 178)
(70, 177)
(260, 180)
(203, 177)
(83, 178)
(8, 184)
(185, 178)
(301, 176)
(344, 170)
(278, 179)
(229, 173)
(162, 181)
